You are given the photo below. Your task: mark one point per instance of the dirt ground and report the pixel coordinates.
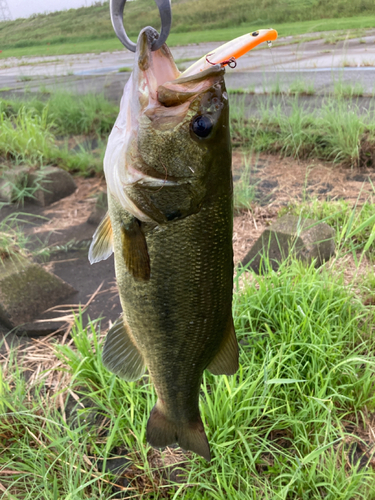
(280, 181)
(64, 226)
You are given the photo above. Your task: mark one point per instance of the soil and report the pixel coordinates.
(279, 181)
(64, 228)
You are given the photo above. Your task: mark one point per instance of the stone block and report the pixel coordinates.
(51, 184)
(100, 209)
(26, 290)
(307, 239)
(12, 181)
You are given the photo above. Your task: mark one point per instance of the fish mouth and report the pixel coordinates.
(158, 78)
(155, 100)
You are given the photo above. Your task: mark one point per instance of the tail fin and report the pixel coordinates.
(190, 436)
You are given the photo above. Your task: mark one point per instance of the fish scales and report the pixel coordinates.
(179, 316)
(170, 224)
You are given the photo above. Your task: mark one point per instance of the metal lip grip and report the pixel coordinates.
(117, 12)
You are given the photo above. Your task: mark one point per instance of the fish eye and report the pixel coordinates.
(202, 125)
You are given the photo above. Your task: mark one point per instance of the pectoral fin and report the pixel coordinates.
(134, 249)
(102, 242)
(121, 355)
(226, 360)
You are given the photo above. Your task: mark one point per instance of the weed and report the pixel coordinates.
(24, 78)
(125, 69)
(342, 89)
(338, 133)
(82, 161)
(29, 127)
(276, 88)
(13, 241)
(346, 63)
(250, 90)
(44, 90)
(354, 228)
(26, 137)
(70, 114)
(91, 113)
(301, 87)
(343, 128)
(368, 63)
(244, 189)
(203, 20)
(277, 429)
(18, 185)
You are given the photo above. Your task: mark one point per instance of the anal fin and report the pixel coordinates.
(121, 355)
(102, 242)
(134, 249)
(226, 360)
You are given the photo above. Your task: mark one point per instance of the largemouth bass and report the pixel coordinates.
(169, 224)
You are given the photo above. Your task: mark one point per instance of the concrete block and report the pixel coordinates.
(307, 239)
(100, 209)
(12, 180)
(51, 185)
(26, 290)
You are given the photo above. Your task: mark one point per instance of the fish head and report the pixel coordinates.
(170, 147)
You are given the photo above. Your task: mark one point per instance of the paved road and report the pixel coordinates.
(312, 65)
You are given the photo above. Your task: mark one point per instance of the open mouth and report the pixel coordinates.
(159, 79)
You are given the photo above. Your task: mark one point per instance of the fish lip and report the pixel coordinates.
(145, 41)
(215, 70)
(153, 68)
(158, 68)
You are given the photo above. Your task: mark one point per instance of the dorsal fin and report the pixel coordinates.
(102, 242)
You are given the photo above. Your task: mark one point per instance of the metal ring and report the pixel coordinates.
(117, 13)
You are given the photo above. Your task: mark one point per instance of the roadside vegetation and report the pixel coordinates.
(65, 130)
(90, 30)
(70, 131)
(340, 131)
(354, 226)
(297, 420)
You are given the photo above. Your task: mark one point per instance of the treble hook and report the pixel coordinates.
(117, 12)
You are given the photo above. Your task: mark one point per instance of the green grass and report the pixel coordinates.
(354, 228)
(125, 69)
(280, 429)
(68, 113)
(301, 87)
(284, 427)
(13, 241)
(347, 90)
(29, 130)
(89, 29)
(339, 132)
(26, 137)
(243, 189)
